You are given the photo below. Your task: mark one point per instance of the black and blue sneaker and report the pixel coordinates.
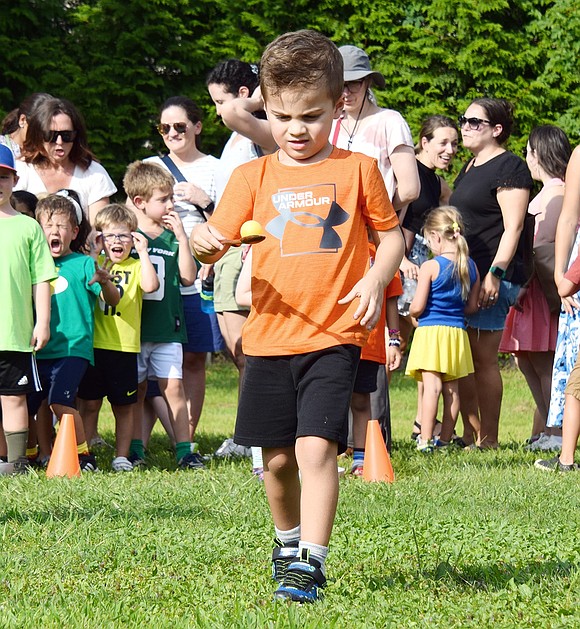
(282, 556)
(303, 580)
(191, 461)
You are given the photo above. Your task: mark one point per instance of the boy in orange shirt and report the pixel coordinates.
(314, 299)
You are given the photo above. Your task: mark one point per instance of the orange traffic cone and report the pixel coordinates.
(64, 460)
(377, 465)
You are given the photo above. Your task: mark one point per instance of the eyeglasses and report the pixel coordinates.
(354, 87)
(525, 151)
(164, 129)
(122, 238)
(474, 123)
(51, 136)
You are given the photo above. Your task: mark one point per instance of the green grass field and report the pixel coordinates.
(461, 539)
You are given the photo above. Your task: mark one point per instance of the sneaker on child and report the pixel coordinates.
(303, 580)
(231, 449)
(121, 464)
(282, 556)
(88, 462)
(191, 461)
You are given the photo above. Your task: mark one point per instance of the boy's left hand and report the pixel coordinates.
(370, 294)
(102, 273)
(394, 357)
(172, 221)
(140, 242)
(40, 336)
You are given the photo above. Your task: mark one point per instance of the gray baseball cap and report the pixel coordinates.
(358, 66)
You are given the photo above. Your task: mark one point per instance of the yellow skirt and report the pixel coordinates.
(442, 349)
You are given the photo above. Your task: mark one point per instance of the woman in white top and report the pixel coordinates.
(366, 128)
(56, 155)
(180, 126)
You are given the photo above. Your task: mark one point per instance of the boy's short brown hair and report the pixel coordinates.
(302, 60)
(115, 213)
(143, 178)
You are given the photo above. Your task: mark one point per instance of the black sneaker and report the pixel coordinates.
(554, 465)
(303, 580)
(136, 460)
(282, 556)
(20, 466)
(88, 463)
(191, 461)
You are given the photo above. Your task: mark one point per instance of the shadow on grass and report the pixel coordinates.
(487, 577)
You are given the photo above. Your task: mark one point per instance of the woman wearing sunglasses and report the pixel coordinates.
(180, 126)
(56, 156)
(491, 192)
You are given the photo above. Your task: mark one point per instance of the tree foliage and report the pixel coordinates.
(117, 60)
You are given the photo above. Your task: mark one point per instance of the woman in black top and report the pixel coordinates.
(491, 192)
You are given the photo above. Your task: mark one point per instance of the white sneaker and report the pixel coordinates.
(537, 444)
(121, 464)
(553, 442)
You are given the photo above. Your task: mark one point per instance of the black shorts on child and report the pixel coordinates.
(18, 373)
(114, 376)
(366, 377)
(60, 378)
(286, 397)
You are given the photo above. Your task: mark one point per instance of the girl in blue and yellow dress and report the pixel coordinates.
(447, 289)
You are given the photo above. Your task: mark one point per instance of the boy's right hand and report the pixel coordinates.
(206, 240)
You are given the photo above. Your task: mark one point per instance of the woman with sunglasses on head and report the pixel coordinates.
(180, 126)
(15, 123)
(531, 327)
(56, 156)
(491, 192)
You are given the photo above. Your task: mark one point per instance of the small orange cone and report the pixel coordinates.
(377, 465)
(64, 460)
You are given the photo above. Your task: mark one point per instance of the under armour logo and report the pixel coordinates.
(293, 205)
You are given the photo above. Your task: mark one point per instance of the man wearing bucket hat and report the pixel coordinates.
(25, 272)
(383, 134)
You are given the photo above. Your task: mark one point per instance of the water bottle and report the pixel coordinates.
(207, 295)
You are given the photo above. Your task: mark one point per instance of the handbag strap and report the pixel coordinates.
(173, 168)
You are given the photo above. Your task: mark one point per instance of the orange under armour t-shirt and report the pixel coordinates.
(316, 247)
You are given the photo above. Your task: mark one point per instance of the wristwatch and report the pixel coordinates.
(497, 271)
(209, 208)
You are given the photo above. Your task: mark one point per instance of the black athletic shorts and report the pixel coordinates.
(286, 397)
(18, 373)
(366, 377)
(114, 375)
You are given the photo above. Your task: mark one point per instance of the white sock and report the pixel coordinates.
(289, 538)
(257, 461)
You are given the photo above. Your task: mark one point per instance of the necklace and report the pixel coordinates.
(351, 135)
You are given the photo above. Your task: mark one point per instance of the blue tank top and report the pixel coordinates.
(445, 305)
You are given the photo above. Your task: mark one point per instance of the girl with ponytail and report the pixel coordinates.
(447, 289)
